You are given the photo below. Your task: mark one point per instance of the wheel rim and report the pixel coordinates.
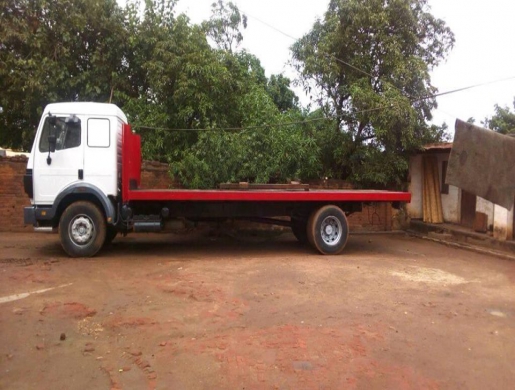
(82, 229)
(331, 230)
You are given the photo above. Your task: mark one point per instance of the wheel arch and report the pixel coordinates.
(84, 192)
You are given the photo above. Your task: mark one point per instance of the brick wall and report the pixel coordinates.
(154, 175)
(12, 195)
(13, 198)
(375, 217)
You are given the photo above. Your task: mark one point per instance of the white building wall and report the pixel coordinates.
(450, 201)
(503, 223)
(484, 206)
(451, 205)
(415, 207)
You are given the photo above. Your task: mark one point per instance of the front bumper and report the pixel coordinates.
(29, 215)
(38, 216)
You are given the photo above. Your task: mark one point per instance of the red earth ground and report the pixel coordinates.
(198, 312)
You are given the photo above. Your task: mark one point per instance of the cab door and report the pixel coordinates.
(100, 155)
(57, 170)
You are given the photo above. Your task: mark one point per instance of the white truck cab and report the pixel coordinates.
(85, 137)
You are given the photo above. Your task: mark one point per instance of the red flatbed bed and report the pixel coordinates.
(131, 177)
(315, 216)
(268, 195)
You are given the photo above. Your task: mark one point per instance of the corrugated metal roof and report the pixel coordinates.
(438, 146)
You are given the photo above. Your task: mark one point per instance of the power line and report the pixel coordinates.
(269, 25)
(469, 87)
(284, 124)
(348, 64)
(328, 55)
(376, 77)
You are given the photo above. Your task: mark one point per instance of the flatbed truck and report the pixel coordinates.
(83, 178)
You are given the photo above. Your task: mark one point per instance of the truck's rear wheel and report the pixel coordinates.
(328, 230)
(82, 229)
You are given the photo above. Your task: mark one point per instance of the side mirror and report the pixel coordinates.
(52, 140)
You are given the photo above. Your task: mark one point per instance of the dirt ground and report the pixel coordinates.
(198, 312)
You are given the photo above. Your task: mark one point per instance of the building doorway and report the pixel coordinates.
(468, 209)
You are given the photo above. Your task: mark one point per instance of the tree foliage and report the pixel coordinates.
(224, 25)
(55, 51)
(367, 64)
(278, 87)
(503, 120)
(270, 149)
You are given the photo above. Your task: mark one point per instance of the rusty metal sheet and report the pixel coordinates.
(483, 162)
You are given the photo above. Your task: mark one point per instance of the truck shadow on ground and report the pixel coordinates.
(163, 245)
(198, 245)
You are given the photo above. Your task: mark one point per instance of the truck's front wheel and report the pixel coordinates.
(82, 229)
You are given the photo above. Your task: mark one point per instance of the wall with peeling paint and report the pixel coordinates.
(500, 220)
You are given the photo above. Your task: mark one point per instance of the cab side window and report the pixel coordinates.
(67, 131)
(99, 135)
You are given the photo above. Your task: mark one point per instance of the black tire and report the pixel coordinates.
(328, 230)
(82, 229)
(299, 229)
(111, 234)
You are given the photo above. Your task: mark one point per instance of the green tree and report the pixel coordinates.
(190, 86)
(55, 51)
(367, 64)
(183, 83)
(162, 71)
(278, 88)
(269, 149)
(224, 25)
(503, 121)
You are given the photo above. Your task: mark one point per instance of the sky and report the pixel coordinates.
(484, 32)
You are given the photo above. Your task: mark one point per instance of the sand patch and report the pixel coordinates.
(429, 275)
